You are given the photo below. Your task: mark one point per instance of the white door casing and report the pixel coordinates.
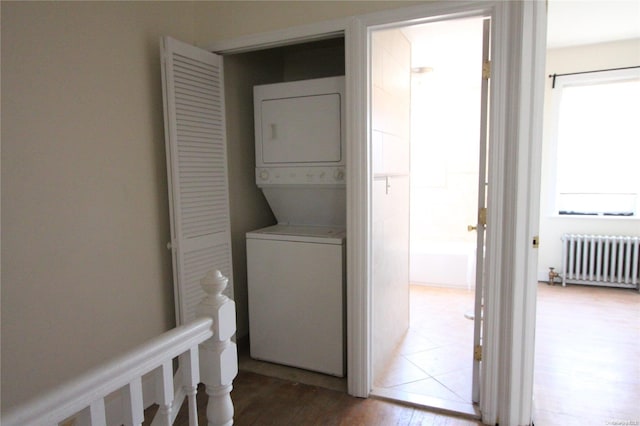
(196, 150)
(532, 68)
(515, 121)
(517, 47)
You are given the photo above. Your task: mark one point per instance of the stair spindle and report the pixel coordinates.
(191, 376)
(97, 413)
(165, 393)
(133, 407)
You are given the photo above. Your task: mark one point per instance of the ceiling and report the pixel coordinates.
(576, 22)
(569, 23)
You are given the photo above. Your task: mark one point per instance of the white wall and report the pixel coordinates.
(391, 109)
(85, 271)
(445, 130)
(566, 60)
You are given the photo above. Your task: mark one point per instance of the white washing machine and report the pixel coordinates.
(296, 292)
(296, 275)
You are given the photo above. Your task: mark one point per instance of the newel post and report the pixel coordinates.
(218, 355)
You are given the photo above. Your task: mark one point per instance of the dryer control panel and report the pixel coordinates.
(300, 176)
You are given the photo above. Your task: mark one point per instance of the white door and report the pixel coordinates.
(195, 136)
(480, 226)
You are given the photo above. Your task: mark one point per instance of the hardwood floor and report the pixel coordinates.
(587, 372)
(261, 400)
(587, 365)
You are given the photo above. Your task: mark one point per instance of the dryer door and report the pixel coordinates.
(299, 123)
(301, 129)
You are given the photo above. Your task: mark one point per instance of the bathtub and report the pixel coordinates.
(443, 264)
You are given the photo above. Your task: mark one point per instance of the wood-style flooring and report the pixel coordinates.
(587, 372)
(587, 362)
(261, 400)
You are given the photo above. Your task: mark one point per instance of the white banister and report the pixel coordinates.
(208, 335)
(218, 355)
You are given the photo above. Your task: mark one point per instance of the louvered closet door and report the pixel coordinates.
(197, 170)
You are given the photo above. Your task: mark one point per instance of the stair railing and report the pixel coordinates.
(205, 353)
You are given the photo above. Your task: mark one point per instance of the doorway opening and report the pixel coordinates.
(426, 145)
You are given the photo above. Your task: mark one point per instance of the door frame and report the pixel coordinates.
(515, 120)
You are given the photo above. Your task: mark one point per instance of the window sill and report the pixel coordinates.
(594, 217)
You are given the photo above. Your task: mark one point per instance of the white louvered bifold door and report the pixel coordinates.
(197, 170)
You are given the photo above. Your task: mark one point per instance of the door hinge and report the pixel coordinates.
(477, 353)
(536, 242)
(486, 70)
(482, 216)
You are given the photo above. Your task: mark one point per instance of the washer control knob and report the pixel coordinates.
(338, 174)
(264, 174)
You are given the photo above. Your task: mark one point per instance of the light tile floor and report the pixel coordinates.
(587, 354)
(433, 364)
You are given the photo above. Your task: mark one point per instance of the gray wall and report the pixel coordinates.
(85, 271)
(249, 209)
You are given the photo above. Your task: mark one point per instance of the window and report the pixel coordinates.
(597, 135)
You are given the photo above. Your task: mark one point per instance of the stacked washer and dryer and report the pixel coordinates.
(296, 269)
